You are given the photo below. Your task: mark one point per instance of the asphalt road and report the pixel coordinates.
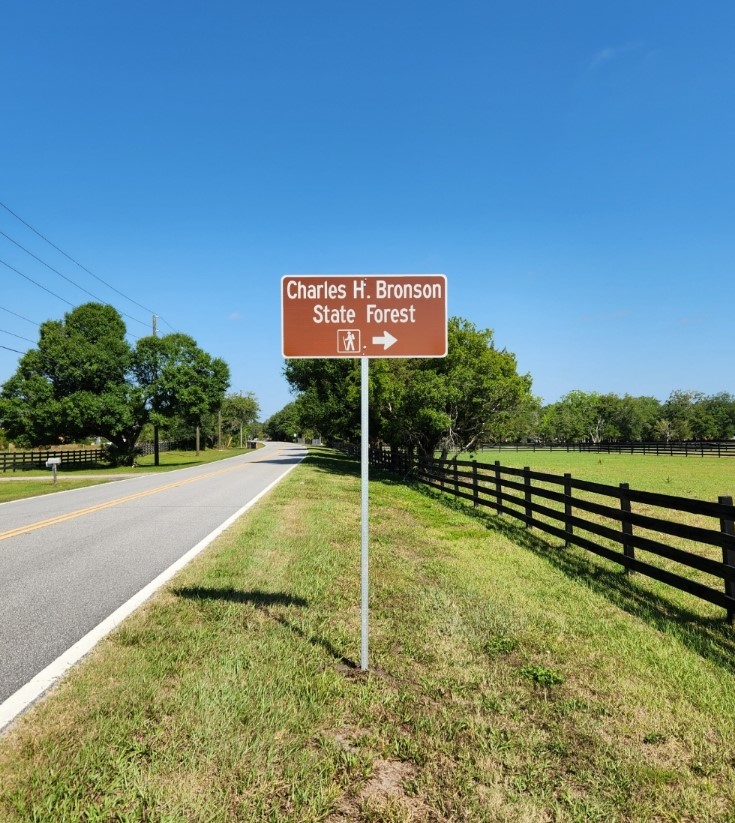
(68, 560)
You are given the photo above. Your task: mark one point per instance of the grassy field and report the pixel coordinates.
(507, 683)
(705, 478)
(692, 477)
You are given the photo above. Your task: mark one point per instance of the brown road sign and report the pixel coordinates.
(364, 315)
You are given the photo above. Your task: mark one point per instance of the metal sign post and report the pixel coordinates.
(363, 316)
(364, 501)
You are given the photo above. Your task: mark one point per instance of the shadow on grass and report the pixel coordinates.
(333, 462)
(710, 637)
(257, 598)
(315, 640)
(264, 601)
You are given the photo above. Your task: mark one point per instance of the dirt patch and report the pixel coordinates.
(384, 793)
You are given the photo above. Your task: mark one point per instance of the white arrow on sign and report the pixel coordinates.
(387, 340)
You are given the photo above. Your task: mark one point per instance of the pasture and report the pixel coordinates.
(705, 478)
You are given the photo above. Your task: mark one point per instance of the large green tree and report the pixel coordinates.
(238, 412)
(76, 383)
(85, 380)
(425, 404)
(285, 424)
(328, 399)
(180, 379)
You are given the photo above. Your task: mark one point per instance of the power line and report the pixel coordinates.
(15, 314)
(7, 348)
(30, 279)
(68, 279)
(84, 268)
(19, 336)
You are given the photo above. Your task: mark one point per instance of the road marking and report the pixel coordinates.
(26, 695)
(52, 521)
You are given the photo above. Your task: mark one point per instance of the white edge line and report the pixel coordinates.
(26, 695)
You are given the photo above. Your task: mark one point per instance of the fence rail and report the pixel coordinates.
(163, 446)
(685, 543)
(36, 458)
(686, 448)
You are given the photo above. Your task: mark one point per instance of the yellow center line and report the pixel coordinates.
(52, 521)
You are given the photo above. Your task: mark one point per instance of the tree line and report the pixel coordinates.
(84, 380)
(475, 395)
(595, 418)
(451, 403)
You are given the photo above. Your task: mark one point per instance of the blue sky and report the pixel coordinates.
(569, 166)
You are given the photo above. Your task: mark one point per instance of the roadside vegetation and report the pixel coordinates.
(508, 682)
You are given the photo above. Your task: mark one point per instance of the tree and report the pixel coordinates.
(180, 379)
(238, 411)
(713, 417)
(77, 384)
(634, 418)
(679, 411)
(85, 380)
(328, 395)
(577, 415)
(284, 424)
(450, 403)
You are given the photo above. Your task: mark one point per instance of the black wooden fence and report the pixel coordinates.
(36, 459)
(685, 448)
(686, 543)
(163, 446)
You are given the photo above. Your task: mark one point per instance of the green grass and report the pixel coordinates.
(693, 477)
(507, 683)
(705, 478)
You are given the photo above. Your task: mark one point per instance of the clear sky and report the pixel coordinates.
(569, 166)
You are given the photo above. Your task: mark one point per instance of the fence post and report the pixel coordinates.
(498, 489)
(568, 527)
(456, 477)
(475, 485)
(728, 555)
(627, 526)
(527, 493)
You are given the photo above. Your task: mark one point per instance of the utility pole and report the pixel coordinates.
(156, 448)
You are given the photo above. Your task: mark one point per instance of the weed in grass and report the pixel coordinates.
(651, 738)
(499, 645)
(542, 676)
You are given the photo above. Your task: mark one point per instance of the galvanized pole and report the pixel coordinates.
(365, 478)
